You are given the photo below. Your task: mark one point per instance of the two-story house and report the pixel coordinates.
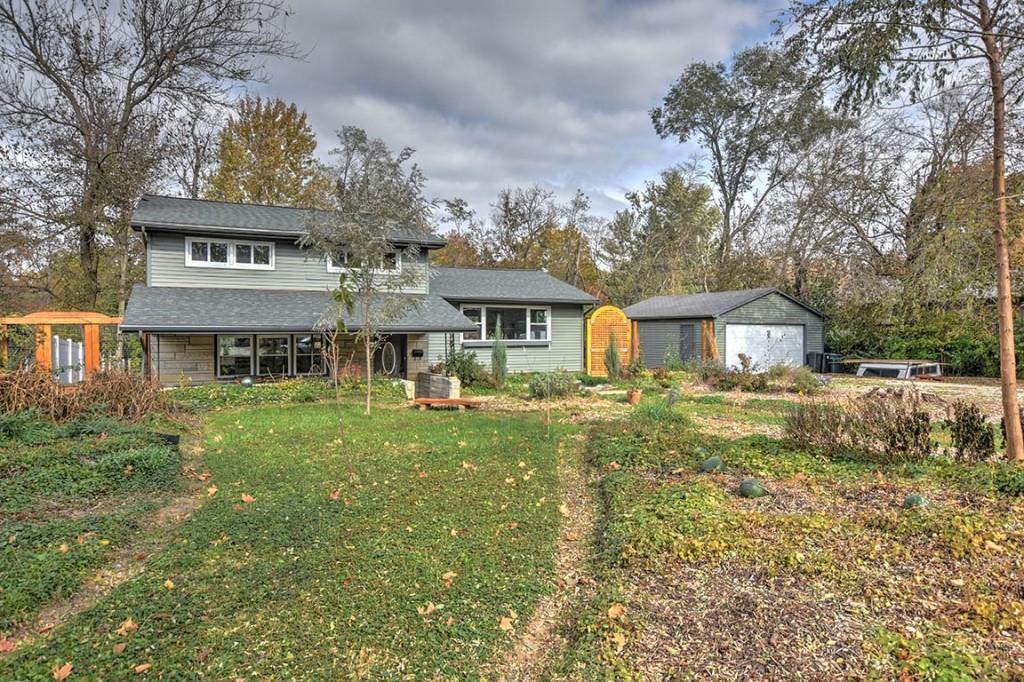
(229, 293)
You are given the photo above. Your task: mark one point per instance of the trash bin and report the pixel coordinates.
(816, 361)
(835, 363)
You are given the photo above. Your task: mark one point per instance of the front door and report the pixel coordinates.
(390, 356)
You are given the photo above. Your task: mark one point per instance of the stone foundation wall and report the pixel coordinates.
(182, 360)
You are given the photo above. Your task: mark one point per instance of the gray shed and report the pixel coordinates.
(766, 325)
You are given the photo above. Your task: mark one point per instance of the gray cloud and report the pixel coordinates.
(499, 94)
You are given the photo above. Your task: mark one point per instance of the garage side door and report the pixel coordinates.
(764, 344)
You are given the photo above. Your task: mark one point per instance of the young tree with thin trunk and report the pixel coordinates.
(876, 50)
(379, 213)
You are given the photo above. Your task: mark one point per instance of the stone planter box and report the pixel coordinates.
(437, 386)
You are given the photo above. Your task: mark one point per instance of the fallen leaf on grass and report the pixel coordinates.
(506, 622)
(7, 646)
(212, 490)
(247, 498)
(141, 556)
(127, 627)
(423, 474)
(169, 584)
(616, 611)
(426, 610)
(119, 648)
(61, 673)
(564, 509)
(613, 466)
(469, 466)
(618, 639)
(571, 536)
(63, 548)
(142, 667)
(513, 525)
(448, 578)
(335, 494)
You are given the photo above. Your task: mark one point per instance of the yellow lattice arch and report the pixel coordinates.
(601, 322)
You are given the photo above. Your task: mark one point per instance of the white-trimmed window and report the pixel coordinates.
(206, 252)
(391, 262)
(519, 324)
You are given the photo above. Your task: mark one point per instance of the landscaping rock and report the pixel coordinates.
(914, 501)
(712, 464)
(751, 487)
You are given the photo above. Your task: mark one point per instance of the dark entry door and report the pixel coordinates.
(390, 358)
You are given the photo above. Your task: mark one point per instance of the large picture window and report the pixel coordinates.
(204, 252)
(234, 356)
(273, 355)
(525, 324)
(309, 354)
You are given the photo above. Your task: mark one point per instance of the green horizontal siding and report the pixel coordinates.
(564, 351)
(774, 309)
(294, 268)
(659, 337)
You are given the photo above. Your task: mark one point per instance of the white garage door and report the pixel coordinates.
(764, 344)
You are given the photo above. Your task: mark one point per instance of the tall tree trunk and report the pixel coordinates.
(1007, 351)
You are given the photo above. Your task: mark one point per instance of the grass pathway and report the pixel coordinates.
(542, 636)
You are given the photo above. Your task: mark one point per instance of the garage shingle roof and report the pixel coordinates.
(214, 309)
(179, 214)
(711, 304)
(511, 286)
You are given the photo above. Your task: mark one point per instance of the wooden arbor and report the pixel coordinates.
(44, 321)
(602, 322)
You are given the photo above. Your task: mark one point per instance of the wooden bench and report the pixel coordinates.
(459, 404)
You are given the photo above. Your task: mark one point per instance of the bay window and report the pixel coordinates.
(517, 323)
(204, 252)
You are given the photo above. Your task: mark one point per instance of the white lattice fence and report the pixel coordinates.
(68, 360)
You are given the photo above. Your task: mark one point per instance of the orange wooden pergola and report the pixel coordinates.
(44, 321)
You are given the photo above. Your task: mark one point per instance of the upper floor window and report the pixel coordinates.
(390, 262)
(205, 252)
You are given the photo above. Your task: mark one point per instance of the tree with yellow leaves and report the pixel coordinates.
(266, 157)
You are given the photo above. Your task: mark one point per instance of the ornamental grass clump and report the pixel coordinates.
(875, 428)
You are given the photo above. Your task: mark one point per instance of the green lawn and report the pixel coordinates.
(70, 496)
(392, 550)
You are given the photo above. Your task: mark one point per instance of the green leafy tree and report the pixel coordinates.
(661, 244)
(499, 359)
(377, 196)
(878, 50)
(266, 156)
(755, 118)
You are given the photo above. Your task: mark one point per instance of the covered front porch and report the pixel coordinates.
(194, 335)
(175, 359)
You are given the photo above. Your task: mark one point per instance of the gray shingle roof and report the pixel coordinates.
(513, 286)
(253, 310)
(176, 213)
(699, 305)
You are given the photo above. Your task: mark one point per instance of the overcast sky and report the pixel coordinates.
(509, 93)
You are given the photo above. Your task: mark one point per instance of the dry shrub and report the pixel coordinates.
(119, 394)
(877, 428)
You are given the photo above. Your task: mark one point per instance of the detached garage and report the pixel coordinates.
(766, 325)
